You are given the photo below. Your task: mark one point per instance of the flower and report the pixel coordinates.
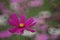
(35, 3)
(5, 34)
(41, 24)
(15, 5)
(24, 5)
(41, 37)
(28, 33)
(21, 25)
(39, 20)
(54, 31)
(45, 14)
(41, 28)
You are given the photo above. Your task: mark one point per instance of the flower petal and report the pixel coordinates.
(20, 31)
(28, 33)
(30, 30)
(35, 3)
(5, 34)
(14, 18)
(22, 18)
(11, 22)
(32, 24)
(13, 30)
(29, 21)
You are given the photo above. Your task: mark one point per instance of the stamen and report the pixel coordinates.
(21, 25)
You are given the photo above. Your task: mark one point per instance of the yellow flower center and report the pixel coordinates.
(21, 25)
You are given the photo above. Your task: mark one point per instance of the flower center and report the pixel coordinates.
(21, 25)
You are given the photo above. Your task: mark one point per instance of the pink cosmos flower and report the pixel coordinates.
(15, 5)
(42, 28)
(39, 20)
(5, 34)
(41, 37)
(41, 24)
(20, 25)
(35, 3)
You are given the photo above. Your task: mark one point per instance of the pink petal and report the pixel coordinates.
(5, 34)
(44, 28)
(19, 31)
(41, 37)
(22, 18)
(11, 22)
(30, 30)
(13, 30)
(29, 21)
(35, 3)
(32, 24)
(14, 18)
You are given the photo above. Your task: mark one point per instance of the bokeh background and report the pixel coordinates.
(36, 8)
